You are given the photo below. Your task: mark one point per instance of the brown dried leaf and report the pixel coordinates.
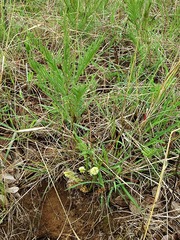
(134, 209)
(120, 201)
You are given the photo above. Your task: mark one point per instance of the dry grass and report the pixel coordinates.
(92, 84)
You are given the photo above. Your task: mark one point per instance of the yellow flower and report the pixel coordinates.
(82, 169)
(94, 171)
(72, 176)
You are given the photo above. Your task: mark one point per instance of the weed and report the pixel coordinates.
(63, 85)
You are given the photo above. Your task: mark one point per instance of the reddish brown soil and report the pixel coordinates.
(44, 216)
(59, 213)
(85, 214)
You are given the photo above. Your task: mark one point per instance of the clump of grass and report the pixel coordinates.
(81, 14)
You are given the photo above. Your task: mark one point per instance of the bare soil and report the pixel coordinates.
(47, 215)
(59, 213)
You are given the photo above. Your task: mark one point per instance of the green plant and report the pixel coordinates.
(81, 13)
(63, 85)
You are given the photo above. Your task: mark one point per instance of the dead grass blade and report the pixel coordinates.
(165, 164)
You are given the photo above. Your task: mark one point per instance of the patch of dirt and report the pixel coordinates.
(68, 214)
(63, 214)
(49, 213)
